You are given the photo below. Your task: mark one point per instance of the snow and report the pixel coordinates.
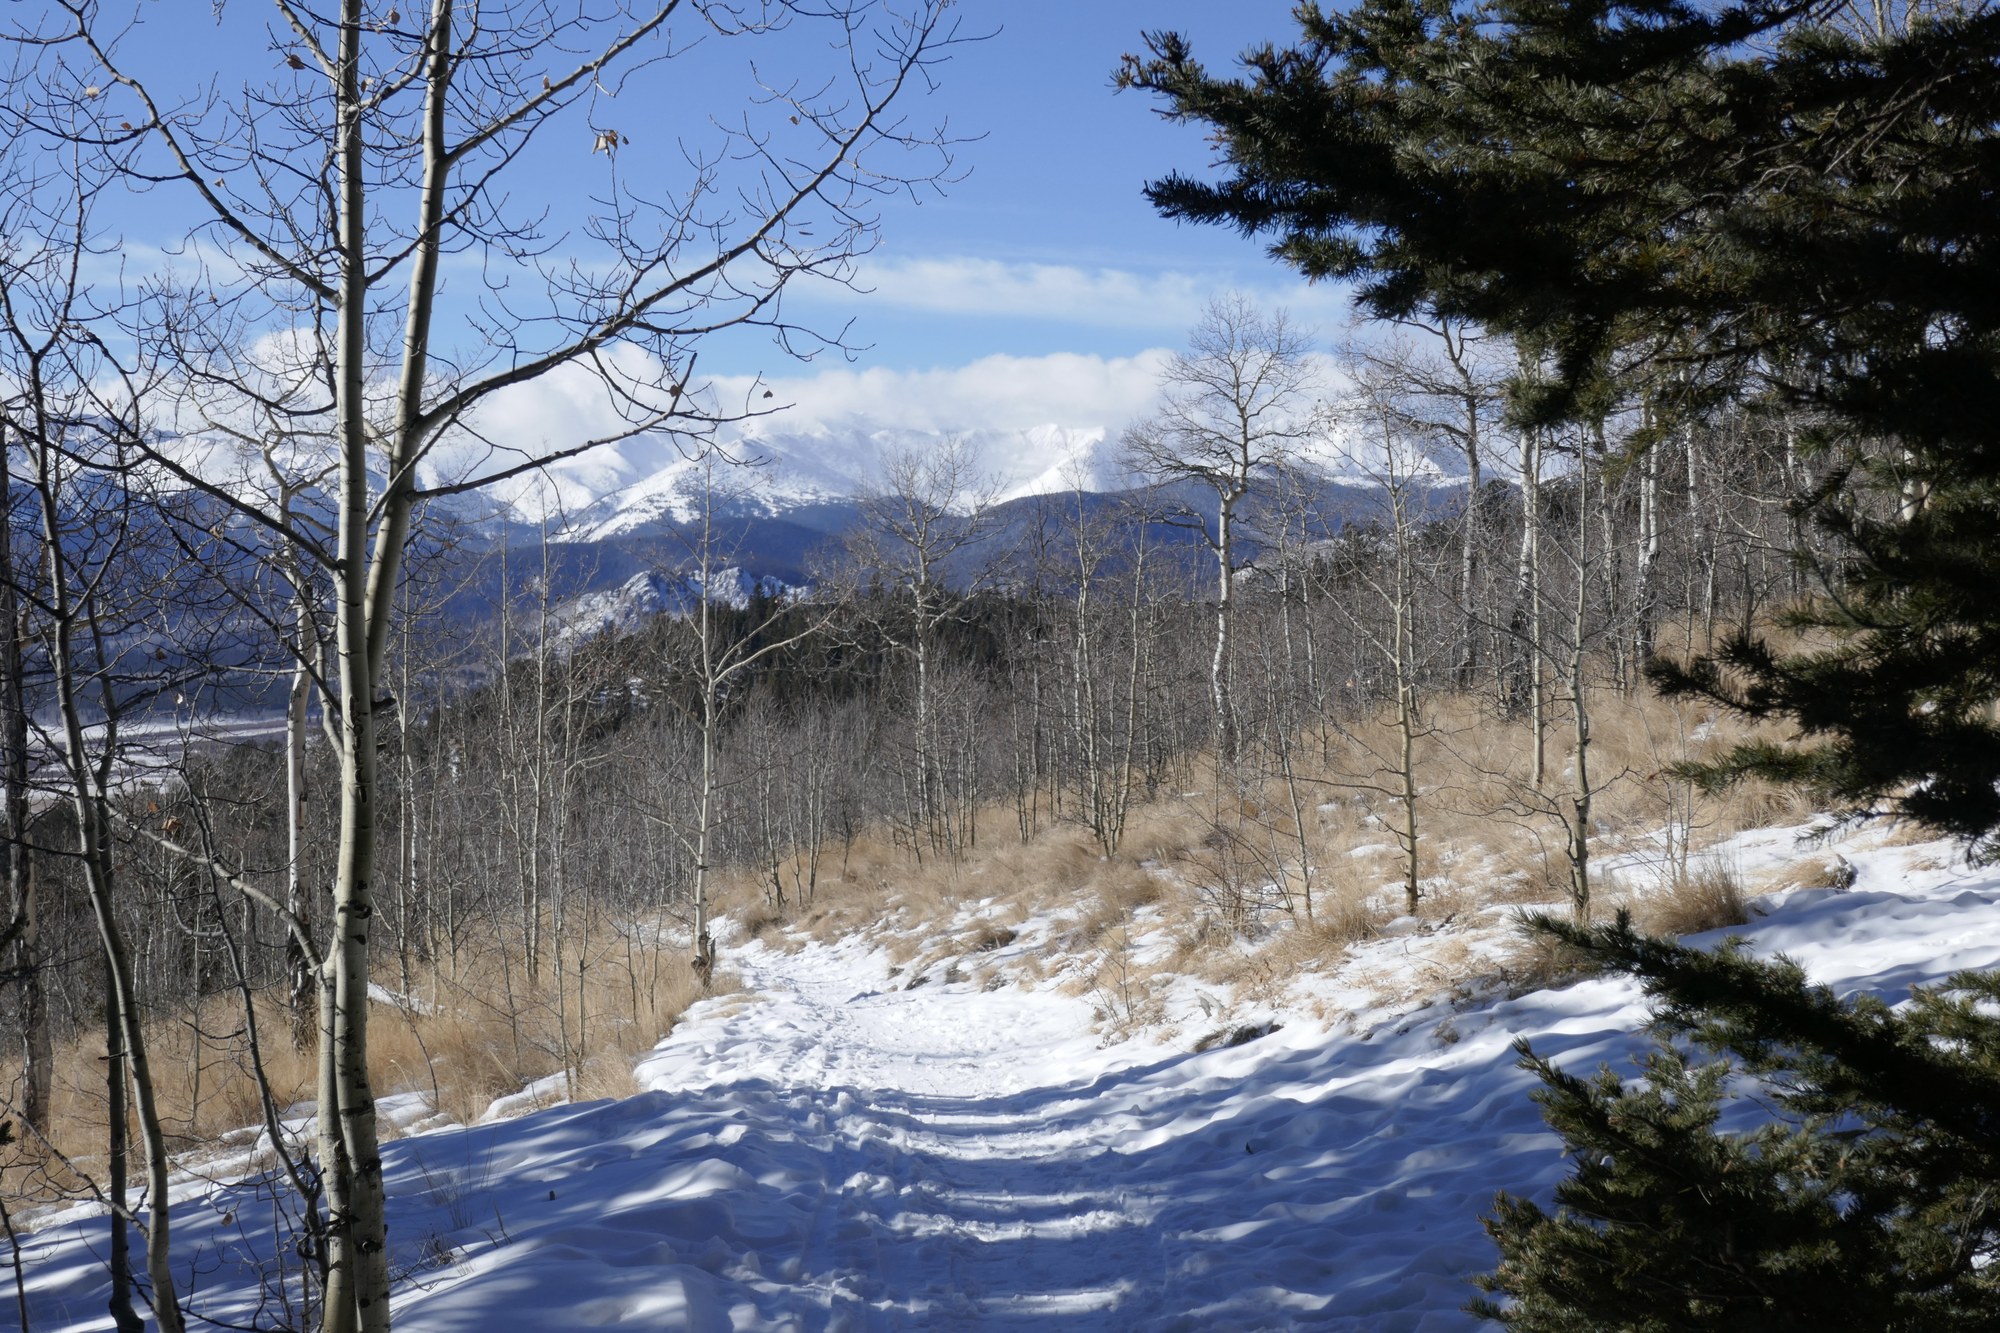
(621, 489)
(650, 593)
(837, 1148)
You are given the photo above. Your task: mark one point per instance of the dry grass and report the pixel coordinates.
(461, 1043)
(1822, 871)
(1707, 896)
(1542, 962)
(1904, 833)
(1225, 866)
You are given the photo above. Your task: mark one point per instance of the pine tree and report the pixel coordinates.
(1765, 199)
(1749, 194)
(1871, 1201)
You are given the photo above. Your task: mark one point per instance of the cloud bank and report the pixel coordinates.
(1101, 297)
(992, 393)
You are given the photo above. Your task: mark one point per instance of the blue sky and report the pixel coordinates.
(1050, 218)
(1039, 288)
(1043, 287)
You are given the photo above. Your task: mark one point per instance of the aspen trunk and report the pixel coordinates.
(357, 1230)
(1643, 611)
(117, 1158)
(93, 842)
(1579, 824)
(1468, 553)
(1528, 603)
(1218, 673)
(301, 989)
(24, 925)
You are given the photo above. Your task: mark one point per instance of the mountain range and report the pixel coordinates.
(616, 532)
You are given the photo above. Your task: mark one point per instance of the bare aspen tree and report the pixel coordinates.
(330, 302)
(1445, 388)
(919, 543)
(1292, 858)
(544, 701)
(1646, 563)
(46, 241)
(1289, 658)
(1579, 829)
(83, 543)
(308, 641)
(795, 760)
(1035, 588)
(21, 936)
(1380, 445)
(1234, 404)
(1579, 629)
(1106, 708)
(716, 665)
(1526, 623)
(537, 775)
(573, 758)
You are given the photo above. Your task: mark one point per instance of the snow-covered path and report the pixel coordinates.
(827, 1152)
(952, 1158)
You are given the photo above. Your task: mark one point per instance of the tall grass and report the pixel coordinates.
(459, 1041)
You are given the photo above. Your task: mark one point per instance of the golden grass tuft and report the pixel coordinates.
(1535, 961)
(1706, 896)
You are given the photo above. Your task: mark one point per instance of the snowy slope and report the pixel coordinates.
(639, 486)
(839, 1151)
(650, 593)
(606, 495)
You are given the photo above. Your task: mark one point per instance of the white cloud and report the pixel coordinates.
(1003, 393)
(1028, 417)
(1063, 293)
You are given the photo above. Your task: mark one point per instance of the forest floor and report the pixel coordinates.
(968, 1142)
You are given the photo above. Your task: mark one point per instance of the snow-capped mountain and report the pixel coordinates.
(612, 532)
(651, 593)
(649, 485)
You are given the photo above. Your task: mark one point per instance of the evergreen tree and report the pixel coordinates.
(1871, 1201)
(1764, 199)
(1760, 193)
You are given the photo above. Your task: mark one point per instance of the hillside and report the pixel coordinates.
(963, 1140)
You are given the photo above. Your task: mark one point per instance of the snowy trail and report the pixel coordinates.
(951, 1158)
(832, 1153)
(961, 1148)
